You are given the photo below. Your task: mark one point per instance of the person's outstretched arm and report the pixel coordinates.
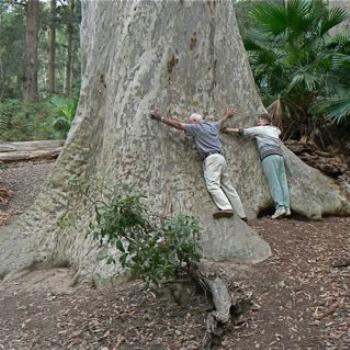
(170, 122)
(231, 130)
(229, 113)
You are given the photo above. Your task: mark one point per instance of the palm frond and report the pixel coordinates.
(335, 17)
(340, 60)
(311, 81)
(299, 16)
(271, 18)
(337, 108)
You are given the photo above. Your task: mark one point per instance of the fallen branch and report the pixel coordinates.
(340, 264)
(331, 309)
(220, 317)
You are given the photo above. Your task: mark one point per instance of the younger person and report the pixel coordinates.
(271, 156)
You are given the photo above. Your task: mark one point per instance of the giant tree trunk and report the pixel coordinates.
(184, 56)
(30, 80)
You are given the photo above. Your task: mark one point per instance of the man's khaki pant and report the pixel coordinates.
(219, 184)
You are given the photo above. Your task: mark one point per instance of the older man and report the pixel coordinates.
(205, 136)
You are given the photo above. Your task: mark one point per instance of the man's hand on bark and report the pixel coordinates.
(155, 115)
(230, 111)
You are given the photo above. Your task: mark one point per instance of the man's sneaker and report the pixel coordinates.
(227, 213)
(288, 212)
(280, 212)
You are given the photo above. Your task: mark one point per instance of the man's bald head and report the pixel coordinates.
(195, 118)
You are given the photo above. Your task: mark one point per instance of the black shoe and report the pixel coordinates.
(223, 214)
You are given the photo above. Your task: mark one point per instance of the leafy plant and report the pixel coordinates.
(21, 122)
(64, 112)
(336, 108)
(47, 119)
(296, 60)
(155, 251)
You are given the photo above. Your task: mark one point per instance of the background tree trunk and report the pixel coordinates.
(69, 61)
(52, 48)
(183, 56)
(30, 80)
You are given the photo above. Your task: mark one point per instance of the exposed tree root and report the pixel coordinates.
(225, 305)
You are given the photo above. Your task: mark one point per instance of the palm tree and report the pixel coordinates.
(295, 59)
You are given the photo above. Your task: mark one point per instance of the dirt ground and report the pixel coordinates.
(300, 295)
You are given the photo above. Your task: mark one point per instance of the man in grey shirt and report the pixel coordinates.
(271, 156)
(205, 136)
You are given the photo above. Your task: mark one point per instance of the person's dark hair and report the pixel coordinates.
(266, 117)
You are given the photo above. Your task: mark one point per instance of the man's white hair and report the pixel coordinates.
(195, 118)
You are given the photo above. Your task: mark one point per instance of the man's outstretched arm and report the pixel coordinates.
(229, 113)
(170, 122)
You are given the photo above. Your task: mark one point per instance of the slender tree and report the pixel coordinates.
(52, 48)
(11, 50)
(69, 61)
(30, 80)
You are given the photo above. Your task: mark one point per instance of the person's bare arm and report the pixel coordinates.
(229, 113)
(230, 130)
(156, 115)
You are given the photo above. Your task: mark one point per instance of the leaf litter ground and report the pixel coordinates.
(300, 295)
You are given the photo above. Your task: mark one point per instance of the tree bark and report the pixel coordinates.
(183, 56)
(52, 48)
(30, 80)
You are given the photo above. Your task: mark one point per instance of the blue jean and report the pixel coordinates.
(275, 173)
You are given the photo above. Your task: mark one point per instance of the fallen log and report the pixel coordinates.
(30, 155)
(330, 163)
(30, 150)
(30, 145)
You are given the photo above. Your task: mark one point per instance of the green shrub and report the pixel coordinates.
(64, 111)
(46, 119)
(21, 122)
(296, 60)
(153, 250)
